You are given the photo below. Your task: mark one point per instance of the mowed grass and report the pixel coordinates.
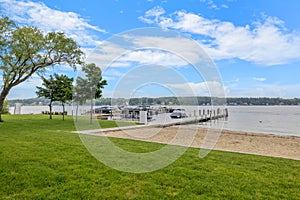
(44, 159)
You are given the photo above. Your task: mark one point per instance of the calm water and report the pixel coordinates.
(280, 120)
(39, 109)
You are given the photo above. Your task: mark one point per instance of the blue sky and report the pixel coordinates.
(254, 44)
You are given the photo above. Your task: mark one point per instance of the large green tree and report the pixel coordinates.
(26, 50)
(89, 87)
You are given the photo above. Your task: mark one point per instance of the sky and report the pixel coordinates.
(232, 48)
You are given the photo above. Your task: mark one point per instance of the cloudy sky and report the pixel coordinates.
(254, 45)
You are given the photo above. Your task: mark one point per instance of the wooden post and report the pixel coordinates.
(226, 112)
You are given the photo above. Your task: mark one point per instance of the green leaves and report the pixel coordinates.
(80, 91)
(48, 90)
(92, 85)
(64, 88)
(61, 49)
(27, 50)
(57, 88)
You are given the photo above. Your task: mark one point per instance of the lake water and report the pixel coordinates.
(39, 109)
(279, 120)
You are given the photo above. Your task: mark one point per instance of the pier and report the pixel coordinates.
(163, 120)
(161, 116)
(203, 116)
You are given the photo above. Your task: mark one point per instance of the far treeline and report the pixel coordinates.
(238, 101)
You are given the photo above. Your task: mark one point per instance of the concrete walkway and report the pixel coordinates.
(111, 129)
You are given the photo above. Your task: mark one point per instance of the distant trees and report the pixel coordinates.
(168, 101)
(262, 101)
(243, 101)
(27, 50)
(57, 88)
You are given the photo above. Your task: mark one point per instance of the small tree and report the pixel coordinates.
(91, 87)
(64, 90)
(57, 88)
(79, 93)
(48, 91)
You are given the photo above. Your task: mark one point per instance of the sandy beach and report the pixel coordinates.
(243, 142)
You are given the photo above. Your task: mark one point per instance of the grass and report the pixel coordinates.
(111, 124)
(43, 159)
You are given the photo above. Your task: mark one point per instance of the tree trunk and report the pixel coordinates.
(77, 112)
(50, 108)
(1, 108)
(91, 115)
(91, 112)
(3, 95)
(63, 105)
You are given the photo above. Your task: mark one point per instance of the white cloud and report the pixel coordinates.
(155, 12)
(39, 15)
(112, 72)
(142, 49)
(120, 64)
(107, 54)
(147, 57)
(212, 5)
(108, 78)
(267, 42)
(276, 90)
(259, 79)
(224, 6)
(180, 46)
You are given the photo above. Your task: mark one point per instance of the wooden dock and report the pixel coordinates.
(203, 117)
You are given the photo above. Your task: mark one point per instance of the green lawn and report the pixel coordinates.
(44, 159)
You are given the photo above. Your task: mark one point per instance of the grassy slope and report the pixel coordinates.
(42, 159)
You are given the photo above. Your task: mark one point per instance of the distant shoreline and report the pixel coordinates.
(175, 101)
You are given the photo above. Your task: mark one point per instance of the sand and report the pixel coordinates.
(193, 136)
